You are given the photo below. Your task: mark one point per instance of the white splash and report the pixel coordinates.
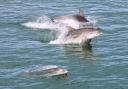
(42, 23)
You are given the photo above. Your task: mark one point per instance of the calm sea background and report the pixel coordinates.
(105, 66)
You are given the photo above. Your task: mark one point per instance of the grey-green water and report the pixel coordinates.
(104, 67)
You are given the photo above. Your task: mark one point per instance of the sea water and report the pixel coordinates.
(103, 66)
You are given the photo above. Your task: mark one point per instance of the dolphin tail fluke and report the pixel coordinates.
(81, 12)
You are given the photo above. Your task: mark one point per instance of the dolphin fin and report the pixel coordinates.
(81, 12)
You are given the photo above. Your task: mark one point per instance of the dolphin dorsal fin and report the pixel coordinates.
(81, 12)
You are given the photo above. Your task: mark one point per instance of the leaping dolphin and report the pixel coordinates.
(73, 21)
(82, 36)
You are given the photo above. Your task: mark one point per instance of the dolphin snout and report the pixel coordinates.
(98, 33)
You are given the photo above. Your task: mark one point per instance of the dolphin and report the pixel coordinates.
(49, 70)
(82, 36)
(73, 21)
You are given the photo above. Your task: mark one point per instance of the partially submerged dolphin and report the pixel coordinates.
(49, 70)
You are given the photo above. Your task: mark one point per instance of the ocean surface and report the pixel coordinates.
(104, 66)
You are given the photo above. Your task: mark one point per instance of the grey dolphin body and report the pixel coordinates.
(47, 71)
(72, 20)
(83, 35)
(78, 18)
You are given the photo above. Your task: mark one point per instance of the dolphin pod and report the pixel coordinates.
(77, 33)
